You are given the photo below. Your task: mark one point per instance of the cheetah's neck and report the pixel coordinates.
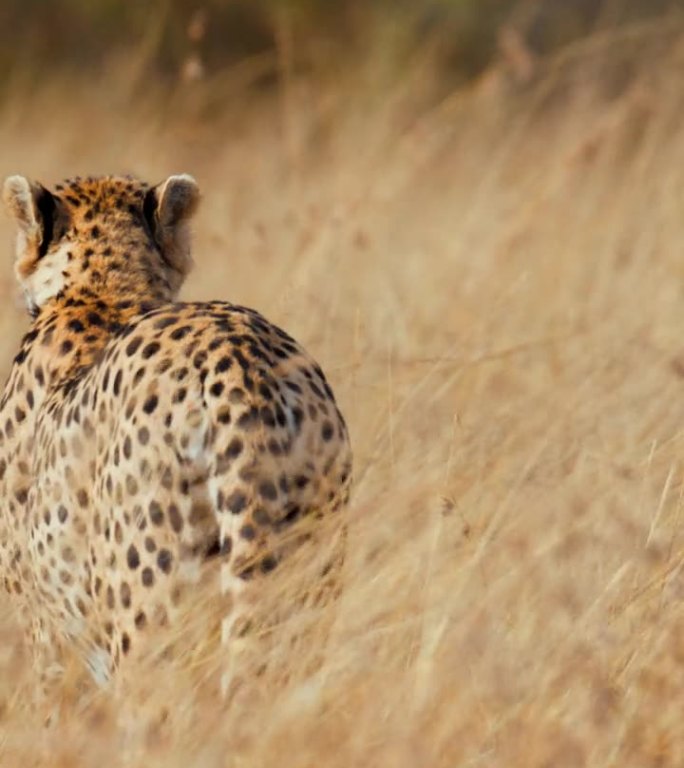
(69, 335)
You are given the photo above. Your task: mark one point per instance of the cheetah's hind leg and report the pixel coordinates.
(280, 595)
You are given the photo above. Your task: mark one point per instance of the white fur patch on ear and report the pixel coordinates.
(17, 194)
(47, 280)
(178, 199)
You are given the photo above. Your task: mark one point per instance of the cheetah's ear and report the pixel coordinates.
(34, 209)
(32, 206)
(168, 207)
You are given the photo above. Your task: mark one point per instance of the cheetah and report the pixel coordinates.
(143, 439)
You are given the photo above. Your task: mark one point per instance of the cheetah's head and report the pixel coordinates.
(101, 237)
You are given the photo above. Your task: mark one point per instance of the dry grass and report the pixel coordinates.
(495, 285)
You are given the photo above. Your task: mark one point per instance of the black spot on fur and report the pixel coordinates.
(132, 557)
(223, 365)
(181, 332)
(164, 560)
(150, 404)
(236, 502)
(133, 345)
(175, 518)
(268, 490)
(150, 349)
(165, 322)
(156, 513)
(93, 318)
(247, 532)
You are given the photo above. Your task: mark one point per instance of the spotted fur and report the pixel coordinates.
(142, 439)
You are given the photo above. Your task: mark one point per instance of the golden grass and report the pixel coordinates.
(495, 286)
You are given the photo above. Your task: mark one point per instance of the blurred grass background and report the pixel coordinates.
(71, 35)
(471, 214)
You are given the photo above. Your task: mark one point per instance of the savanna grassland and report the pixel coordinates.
(493, 279)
